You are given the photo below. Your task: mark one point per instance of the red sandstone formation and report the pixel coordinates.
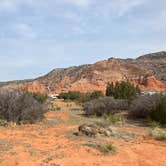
(97, 76)
(149, 72)
(33, 87)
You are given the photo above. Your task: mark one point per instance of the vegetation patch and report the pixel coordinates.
(158, 133)
(105, 106)
(106, 148)
(114, 119)
(5, 145)
(81, 97)
(149, 106)
(20, 107)
(53, 107)
(122, 90)
(3, 122)
(41, 98)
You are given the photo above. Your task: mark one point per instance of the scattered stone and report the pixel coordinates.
(93, 130)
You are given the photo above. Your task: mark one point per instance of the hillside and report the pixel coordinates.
(147, 71)
(155, 62)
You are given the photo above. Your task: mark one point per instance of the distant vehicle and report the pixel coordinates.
(54, 96)
(152, 92)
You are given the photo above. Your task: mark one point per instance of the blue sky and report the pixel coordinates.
(37, 36)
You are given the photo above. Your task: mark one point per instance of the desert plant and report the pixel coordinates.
(96, 95)
(53, 107)
(20, 107)
(3, 122)
(104, 148)
(107, 148)
(71, 95)
(152, 123)
(38, 96)
(110, 89)
(81, 97)
(159, 112)
(142, 106)
(104, 105)
(122, 90)
(149, 106)
(158, 133)
(114, 119)
(58, 108)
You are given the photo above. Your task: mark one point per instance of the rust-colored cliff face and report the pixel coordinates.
(97, 76)
(147, 71)
(34, 87)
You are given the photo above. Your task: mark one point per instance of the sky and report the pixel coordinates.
(37, 36)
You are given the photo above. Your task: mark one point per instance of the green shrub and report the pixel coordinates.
(110, 90)
(20, 107)
(122, 90)
(96, 95)
(71, 95)
(80, 97)
(159, 112)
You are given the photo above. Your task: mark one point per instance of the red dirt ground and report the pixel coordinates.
(47, 144)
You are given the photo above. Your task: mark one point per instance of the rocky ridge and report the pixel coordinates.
(148, 71)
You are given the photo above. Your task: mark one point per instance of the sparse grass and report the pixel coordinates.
(107, 148)
(47, 160)
(58, 108)
(52, 122)
(53, 164)
(3, 123)
(158, 133)
(104, 148)
(69, 105)
(153, 124)
(1, 160)
(114, 119)
(5, 146)
(53, 107)
(102, 123)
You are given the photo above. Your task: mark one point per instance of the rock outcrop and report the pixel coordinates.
(148, 71)
(33, 87)
(97, 76)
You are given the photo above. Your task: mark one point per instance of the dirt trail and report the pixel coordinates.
(52, 144)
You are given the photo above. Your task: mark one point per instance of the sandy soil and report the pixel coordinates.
(51, 143)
